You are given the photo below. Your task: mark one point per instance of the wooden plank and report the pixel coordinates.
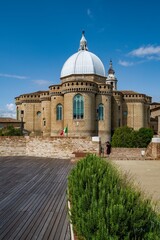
(33, 198)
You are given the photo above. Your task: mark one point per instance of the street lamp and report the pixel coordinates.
(22, 115)
(77, 124)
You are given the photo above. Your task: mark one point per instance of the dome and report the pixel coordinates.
(83, 62)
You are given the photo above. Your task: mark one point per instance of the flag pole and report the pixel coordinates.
(67, 129)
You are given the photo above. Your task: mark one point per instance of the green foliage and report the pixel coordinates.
(10, 131)
(144, 136)
(104, 205)
(127, 137)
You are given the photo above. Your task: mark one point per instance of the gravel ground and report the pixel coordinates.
(145, 174)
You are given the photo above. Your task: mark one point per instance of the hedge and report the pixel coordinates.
(106, 206)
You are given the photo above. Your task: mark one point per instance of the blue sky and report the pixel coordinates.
(38, 36)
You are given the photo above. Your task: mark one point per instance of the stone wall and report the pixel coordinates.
(153, 149)
(12, 146)
(70, 147)
(56, 147)
(127, 154)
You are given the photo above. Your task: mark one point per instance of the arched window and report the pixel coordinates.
(100, 112)
(78, 107)
(59, 112)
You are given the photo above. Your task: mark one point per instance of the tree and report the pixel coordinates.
(11, 131)
(144, 136)
(127, 137)
(122, 137)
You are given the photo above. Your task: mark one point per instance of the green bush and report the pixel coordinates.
(10, 131)
(127, 137)
(105, 206)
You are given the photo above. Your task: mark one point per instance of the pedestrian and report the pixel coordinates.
(108, 148)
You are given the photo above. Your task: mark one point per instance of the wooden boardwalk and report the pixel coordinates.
(33, 198)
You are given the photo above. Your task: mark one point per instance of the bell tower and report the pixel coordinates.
(111, 78)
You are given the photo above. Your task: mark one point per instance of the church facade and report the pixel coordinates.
(86, 102)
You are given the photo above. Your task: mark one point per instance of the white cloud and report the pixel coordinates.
(146, 51)
(11, 107)
(8, 114)
(12, 76)
(8, 111)
(89, 13)
(125, 63)
(41, 82)
(101, 30)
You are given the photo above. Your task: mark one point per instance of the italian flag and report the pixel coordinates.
(65, 130)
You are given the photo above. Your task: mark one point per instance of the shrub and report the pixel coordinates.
(11, 131)
(104, 205)
(127, 137)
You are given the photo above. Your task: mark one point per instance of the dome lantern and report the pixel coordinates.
(83, 43)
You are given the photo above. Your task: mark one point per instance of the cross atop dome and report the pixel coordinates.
(83, 43)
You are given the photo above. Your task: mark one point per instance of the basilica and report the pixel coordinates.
(85, 103)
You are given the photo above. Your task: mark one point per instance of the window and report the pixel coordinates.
(38, 114)
(125, 113)
(59, 112)
(100, 112)
(78, 107)
(44, 122)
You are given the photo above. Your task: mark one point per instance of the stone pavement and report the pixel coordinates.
(146, 174)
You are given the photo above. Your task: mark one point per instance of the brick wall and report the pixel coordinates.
(56, 147)
(127, 154)
(12, 146)
(153, 151)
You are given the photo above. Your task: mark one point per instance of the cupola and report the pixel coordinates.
(83, 62)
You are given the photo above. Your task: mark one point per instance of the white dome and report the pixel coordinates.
(83, 62)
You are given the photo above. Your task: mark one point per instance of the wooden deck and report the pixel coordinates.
(33, 198)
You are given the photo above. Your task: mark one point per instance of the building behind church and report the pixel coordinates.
(86, 101)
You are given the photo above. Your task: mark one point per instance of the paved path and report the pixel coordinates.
(33, 198)
(146, 175)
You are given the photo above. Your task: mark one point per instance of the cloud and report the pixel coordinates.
(41, 82)
(125, 63)
(101, 30)
(11, 107)
(8, 114)
(146, 51)
(8, 111)
(12, 76)
(89, 13)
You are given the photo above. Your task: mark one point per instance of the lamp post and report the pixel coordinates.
(22, 115)
(77, 124)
